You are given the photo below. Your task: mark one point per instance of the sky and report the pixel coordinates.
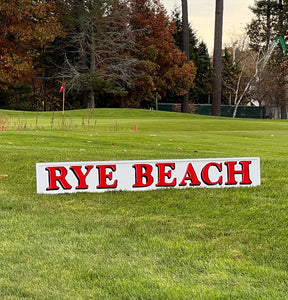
(201, 15)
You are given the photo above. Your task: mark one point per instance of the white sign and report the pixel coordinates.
(72, 177)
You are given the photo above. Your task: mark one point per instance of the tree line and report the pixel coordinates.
(127, 53)
(108, 52)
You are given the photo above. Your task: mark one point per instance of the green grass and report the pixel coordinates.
(165, 244)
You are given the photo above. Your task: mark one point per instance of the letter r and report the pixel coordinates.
(53, 178)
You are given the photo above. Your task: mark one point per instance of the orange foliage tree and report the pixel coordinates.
(26, 26)
(163, 65)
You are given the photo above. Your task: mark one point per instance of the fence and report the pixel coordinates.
(243, 111)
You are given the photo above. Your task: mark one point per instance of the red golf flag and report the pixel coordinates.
(62, 87)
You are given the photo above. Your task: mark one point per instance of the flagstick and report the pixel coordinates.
(63, 102)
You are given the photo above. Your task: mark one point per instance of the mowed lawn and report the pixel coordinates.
(164, 244)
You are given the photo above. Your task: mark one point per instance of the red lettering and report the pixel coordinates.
(231, 172)
(162, 174)
(103, 176)
(53, 178)
(190, 175)
(77, 170)
(143, 171)
(205, 173)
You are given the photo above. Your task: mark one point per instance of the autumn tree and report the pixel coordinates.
(163, 65)
(26, 27)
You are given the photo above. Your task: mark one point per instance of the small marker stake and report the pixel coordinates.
(62, 90)
(136, 128)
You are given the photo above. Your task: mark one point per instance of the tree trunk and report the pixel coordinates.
(282, 32)
(85, 99)
(217, 59)
(91, 100)
(283, 111)
(283, 103)
(185, 25)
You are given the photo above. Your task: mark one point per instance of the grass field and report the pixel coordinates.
(165, 244)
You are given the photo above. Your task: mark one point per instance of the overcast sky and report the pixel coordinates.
(201, 17)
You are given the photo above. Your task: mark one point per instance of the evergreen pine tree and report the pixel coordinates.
(199, 55)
